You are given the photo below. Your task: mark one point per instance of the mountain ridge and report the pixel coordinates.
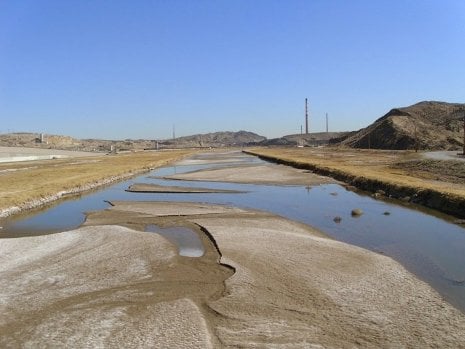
(214, 140)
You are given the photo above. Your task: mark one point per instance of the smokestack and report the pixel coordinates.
(327, 123)
(306, 117)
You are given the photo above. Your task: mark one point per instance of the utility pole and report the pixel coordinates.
(306, 117)
(327, 123)
(463, 152)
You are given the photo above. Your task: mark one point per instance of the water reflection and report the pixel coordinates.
(187, 240)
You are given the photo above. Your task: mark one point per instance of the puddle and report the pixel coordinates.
(187, 240)
(430, 247)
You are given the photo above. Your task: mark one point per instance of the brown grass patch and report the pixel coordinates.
(452, 171)
(21, 183)
(377, 169)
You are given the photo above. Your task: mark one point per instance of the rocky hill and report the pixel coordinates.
(426, 125)
(47, 141)
(37, 140)
(215, 140)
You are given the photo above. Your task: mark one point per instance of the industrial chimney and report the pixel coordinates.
(306, 117)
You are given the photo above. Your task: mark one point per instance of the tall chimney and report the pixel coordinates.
(306, 117)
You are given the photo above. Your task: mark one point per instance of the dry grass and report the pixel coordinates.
(21, 183)
(376, 165)
(442, 170)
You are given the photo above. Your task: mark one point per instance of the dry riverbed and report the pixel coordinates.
(263, 281)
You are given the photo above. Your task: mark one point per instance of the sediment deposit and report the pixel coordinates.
(155, 188)
(264, 281)
(255, 174)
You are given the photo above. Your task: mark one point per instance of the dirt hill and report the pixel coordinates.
(217, 139)
(47, 141)
(214, 140)
(425, 125)
(37, 140)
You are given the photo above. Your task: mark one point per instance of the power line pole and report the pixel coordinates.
(327, 123)
(463, 152)
(306, 117)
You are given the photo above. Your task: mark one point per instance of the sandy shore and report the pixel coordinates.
(256, 174)
(105, 286)
(264, 281)
(155, 188)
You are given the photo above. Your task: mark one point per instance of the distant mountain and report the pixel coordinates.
(38, 140)
(425, 125)
(216, 139)
(310, 139)
(28, 139)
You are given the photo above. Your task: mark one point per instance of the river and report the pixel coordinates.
(427, 244)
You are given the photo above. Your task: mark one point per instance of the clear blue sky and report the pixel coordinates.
(132, 69)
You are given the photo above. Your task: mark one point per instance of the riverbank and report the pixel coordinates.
(381, 172)
(31, 184)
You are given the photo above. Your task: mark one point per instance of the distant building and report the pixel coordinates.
(41, 139)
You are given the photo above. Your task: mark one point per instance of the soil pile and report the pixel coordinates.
(425, 125)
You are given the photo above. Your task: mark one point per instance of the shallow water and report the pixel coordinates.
(430, 247)
(187, 240)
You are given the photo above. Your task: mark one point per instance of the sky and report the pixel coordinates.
(137, 69)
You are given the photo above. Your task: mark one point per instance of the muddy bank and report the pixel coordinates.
(264, 281)
(107, 286)
(301, 290)
(255, 174)
(155, 188)
(443, 202)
